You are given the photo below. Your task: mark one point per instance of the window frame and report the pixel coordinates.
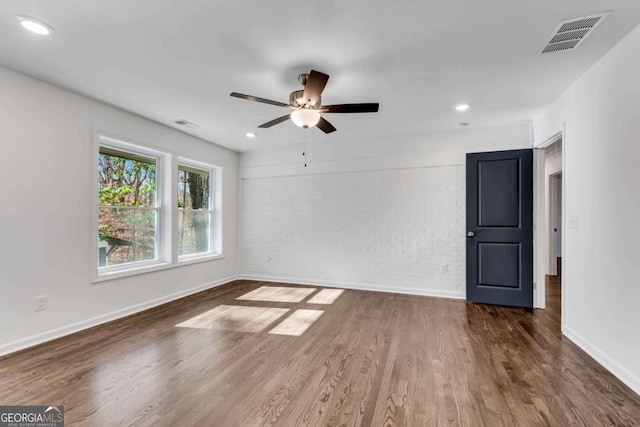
(167, 218)
(213, 208)
(118, 270)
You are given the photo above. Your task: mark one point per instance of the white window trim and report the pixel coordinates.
(214, 209)
(166, 187)
(121, 270)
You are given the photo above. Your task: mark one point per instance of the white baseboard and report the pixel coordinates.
(33, 340)
(604, 359)
(439, 293)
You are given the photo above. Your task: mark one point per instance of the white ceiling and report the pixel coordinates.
(169, 60)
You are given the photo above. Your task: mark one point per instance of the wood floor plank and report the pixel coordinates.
(263, 354)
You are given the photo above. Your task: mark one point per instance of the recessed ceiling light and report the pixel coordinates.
(462, 125)
(462, 107)
(35, 25)
(250, 135)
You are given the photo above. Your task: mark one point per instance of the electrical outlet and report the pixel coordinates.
(269, 258)
(444, 268)
(40, 303)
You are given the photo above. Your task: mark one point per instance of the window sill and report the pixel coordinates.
(194, 259)
(134, 271)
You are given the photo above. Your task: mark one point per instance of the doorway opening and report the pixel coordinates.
(555, 224)
(553, 201)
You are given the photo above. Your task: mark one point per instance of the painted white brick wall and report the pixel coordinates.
(391, 230)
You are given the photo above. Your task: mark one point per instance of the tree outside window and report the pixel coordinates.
(128, 210)
(194, 211)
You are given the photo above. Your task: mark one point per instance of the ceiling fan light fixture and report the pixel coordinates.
(305, 117)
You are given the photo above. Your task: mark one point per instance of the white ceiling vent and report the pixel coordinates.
(570, 33)
(186, 124)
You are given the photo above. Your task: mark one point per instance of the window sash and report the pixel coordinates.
(193, 167)
(124, 150)
(156, 239)
(210, 233)
(210, 188)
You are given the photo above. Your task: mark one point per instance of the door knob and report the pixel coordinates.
(471, 234)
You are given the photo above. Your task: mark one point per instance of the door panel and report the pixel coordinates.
(500, 228)
(498, 264)
(498, 181)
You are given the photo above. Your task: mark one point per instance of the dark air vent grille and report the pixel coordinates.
(561, 46)
(571, 33)
(580, 24)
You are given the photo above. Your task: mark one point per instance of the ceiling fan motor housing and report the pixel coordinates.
(296, 98)
(302, 78)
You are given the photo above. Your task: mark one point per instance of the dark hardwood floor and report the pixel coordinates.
(287, 355)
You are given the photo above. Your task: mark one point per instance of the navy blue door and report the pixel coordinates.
(500, 228)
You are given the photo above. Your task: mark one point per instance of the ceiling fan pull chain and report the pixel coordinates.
(304, 146)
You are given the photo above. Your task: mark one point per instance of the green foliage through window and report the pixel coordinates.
(127, 215)
(126, 182)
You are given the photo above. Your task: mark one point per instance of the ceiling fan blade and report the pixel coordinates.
(351, 108)
(314, 86)
(258, 99)
(325, 126)
(275, 121)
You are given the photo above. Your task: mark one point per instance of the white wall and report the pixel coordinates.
(45, 213)
(601, 273)
(392, 230)
(387, 216)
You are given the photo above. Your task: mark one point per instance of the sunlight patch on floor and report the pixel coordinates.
(297, 323)
(235, 318)
(326, 296)
(278, 294)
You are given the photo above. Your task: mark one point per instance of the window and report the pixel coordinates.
(154, 210)
(128, 207)
(194, 211)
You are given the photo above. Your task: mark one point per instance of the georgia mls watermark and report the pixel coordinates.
(31, 416)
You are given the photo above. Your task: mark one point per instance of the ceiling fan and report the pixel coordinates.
(307, 104)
